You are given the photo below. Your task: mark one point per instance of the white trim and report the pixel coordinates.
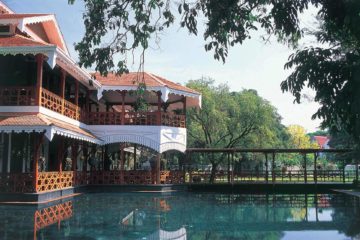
(6, 8)
(50, 132)
(165, 91)
(158, 138)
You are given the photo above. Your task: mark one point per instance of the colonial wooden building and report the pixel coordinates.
(61, 126)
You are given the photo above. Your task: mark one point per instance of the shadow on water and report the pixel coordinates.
(186, 216)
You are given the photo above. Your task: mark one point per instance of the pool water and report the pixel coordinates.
(186, 216)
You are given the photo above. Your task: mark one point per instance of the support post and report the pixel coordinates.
(315, 167)
(184, 109)
(2, 145)
(122, 157)
(273, 168)
(134, 156)
(228, 175)
(266, 168)
(62, 89)
(37, 143)
(76, 100)
(159, 109)
(357, 171)
(74, 153)
(9, 154)
(39, 78)
(123, 107)
(158, 159)
(343, 171)
(233, 167)
(305, 170)
(61, 154)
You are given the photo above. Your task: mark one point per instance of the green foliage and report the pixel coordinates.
(332, 71)
(232, 119)
(118, 27)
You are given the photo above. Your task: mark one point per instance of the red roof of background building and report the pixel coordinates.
(19, 41)
(132, 79)
(321, 140)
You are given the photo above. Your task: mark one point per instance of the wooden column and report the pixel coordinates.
(233, 167)
(157, 169)
(305, 168)
(86, 156)
(8, 164)
(38, 139)
(122, 157)
(315, 167)
(273, 168)
(88, 109)
(2, 145)
(76, 93)
(357, 171)
(266, 168)
(184, 108)
(62, 83)
(123, 93)
(134, 156)
(229, 174)
(39, 78)
(61, 154)
(159, 109)
(343, 171)
(74, 153)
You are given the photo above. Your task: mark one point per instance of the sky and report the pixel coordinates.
(181, 57)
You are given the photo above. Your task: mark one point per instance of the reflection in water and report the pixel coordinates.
(186, 216)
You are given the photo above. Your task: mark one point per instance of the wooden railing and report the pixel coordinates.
(135, 118)
(49, 181)
(16, 182)
(293, 176)
(59, 105)
(173, 120)
(17, 96)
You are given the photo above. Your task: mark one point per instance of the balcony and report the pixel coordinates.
(136, 118)
(26, 96)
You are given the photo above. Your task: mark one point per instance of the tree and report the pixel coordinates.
(231, 119)
(114, 27)
(332, 71)
(299, 138)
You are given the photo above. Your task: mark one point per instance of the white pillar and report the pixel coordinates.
(9, 155)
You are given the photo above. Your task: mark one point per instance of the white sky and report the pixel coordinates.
(182, 57)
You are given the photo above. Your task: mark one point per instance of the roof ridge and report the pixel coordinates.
(156, 78)
(44, 119)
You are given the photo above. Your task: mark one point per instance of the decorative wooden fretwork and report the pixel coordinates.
(48, 181)
(16, 182)
(135, 118)
(51, 215)
(57, 104)
(17, 96)
(173, 120)
(172, 177)
(137, 177)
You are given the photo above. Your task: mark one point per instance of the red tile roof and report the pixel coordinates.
(22, 15)
(19, 41)
(131, 79)
(321, 140)
(41, 120)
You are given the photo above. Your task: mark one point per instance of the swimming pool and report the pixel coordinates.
(186, 216)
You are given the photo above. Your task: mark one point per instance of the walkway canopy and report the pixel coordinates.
(41, 123)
